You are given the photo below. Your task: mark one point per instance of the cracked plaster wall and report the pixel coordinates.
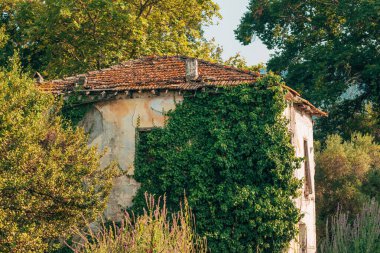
(112, 128)
(301, 129)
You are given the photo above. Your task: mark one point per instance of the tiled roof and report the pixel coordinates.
(153, 73)
(156, 73)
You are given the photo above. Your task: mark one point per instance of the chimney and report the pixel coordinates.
(191, 69)
(82, 80)
(38, 77)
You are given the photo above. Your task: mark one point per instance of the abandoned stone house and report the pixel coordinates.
(134, 95)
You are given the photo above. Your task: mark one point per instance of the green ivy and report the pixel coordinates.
(230, 152)
(72, 111)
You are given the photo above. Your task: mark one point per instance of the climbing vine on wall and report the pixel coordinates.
(231, 153)
(72, 110)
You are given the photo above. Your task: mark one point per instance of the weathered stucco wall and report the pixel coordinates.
(112, 127)
(301, 128)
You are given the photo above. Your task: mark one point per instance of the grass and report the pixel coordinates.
(362, 235)
(154, 231)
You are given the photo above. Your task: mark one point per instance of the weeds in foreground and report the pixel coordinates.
(154, 231)
(360, 236)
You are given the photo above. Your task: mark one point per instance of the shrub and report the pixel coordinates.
(360, 236)
(346, 175)
(154, 231)
(49, 177)
(371, 184)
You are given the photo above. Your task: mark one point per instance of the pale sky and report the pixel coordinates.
(223, 32)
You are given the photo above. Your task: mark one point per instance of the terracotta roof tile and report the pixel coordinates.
(152, 72)
(148, 73)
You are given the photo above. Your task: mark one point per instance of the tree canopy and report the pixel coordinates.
(346, 175)
(328, 50)
(50, 179)
(65, 37)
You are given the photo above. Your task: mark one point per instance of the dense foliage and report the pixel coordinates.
(154, 231)
(347, 175)
(238, 61)
(49, 179)
(73, 109)
(328, 50)
(359, 236)
(63, 37)
(230, 151)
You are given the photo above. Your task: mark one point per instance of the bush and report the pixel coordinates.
(360, 236)
(371, 184)
(49, 178)
(154, 231)
(346, 175)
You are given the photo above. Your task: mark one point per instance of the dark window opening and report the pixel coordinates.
(302, 238)
(308, 185)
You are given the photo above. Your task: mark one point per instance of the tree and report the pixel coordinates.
(345, 175)
(72, 36)
(238, 61)
(49, 179)
(371, 184)
(329, 51)
(230, 152)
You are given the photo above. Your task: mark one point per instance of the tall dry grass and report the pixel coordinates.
(360, 236)
(154, 231)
